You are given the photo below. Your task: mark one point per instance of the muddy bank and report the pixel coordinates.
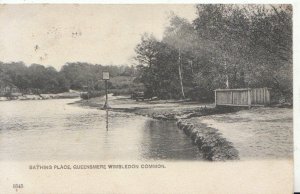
(160, 109)
(210, 142)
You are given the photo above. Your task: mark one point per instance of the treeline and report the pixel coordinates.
(40, 79)
(226, 46)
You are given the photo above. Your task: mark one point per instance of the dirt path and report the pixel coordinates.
(257, 133)
(160, 109)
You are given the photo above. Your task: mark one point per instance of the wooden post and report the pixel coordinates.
(106, 98)
(269, 95)
(88, 89)
(232, 97)
(215, 97)
(264, 96)
(249, 98)
(105, 77)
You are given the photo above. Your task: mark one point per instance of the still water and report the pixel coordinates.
(56, 130)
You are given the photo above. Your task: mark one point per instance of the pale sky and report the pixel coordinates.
(102, 34)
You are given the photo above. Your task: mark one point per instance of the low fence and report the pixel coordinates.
(243, 97)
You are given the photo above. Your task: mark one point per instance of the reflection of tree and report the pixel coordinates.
(163, 140)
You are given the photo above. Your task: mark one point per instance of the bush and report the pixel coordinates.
(92, 94)
(118, 92)
(8, 95)
(200, 94)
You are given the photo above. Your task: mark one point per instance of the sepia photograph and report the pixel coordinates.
(198, 91)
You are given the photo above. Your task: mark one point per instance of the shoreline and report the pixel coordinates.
(220, 133)
(209, 141)
(159, 109)
(65, 95)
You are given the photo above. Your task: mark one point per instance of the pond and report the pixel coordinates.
(57, 130)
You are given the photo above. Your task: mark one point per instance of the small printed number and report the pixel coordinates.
(18, 186)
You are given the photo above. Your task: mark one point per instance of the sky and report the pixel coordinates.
(52, 35)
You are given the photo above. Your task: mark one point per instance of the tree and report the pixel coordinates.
(226, 46)
(146, 50)
(157, 67)
(180, 35)
(271, 48)
(227, 27)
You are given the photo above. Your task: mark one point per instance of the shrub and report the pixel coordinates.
(92, 94)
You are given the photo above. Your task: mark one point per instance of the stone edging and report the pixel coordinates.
(213, 146)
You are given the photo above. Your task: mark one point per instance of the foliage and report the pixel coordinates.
(156, 68)
(35, 78)
(226, 46)
(77, 76)
(92, 94)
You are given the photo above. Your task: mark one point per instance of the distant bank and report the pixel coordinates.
(70, 94)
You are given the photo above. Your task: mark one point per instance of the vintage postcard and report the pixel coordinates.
(146, 98)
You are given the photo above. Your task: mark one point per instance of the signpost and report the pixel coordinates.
(105, 77)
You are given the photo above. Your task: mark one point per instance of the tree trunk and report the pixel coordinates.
(180, 74)
(227, 77)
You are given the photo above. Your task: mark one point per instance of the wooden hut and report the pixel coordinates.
(243, 97)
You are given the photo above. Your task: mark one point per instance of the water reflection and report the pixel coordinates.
(106, 119)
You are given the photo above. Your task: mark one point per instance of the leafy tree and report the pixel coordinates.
(226, 46)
